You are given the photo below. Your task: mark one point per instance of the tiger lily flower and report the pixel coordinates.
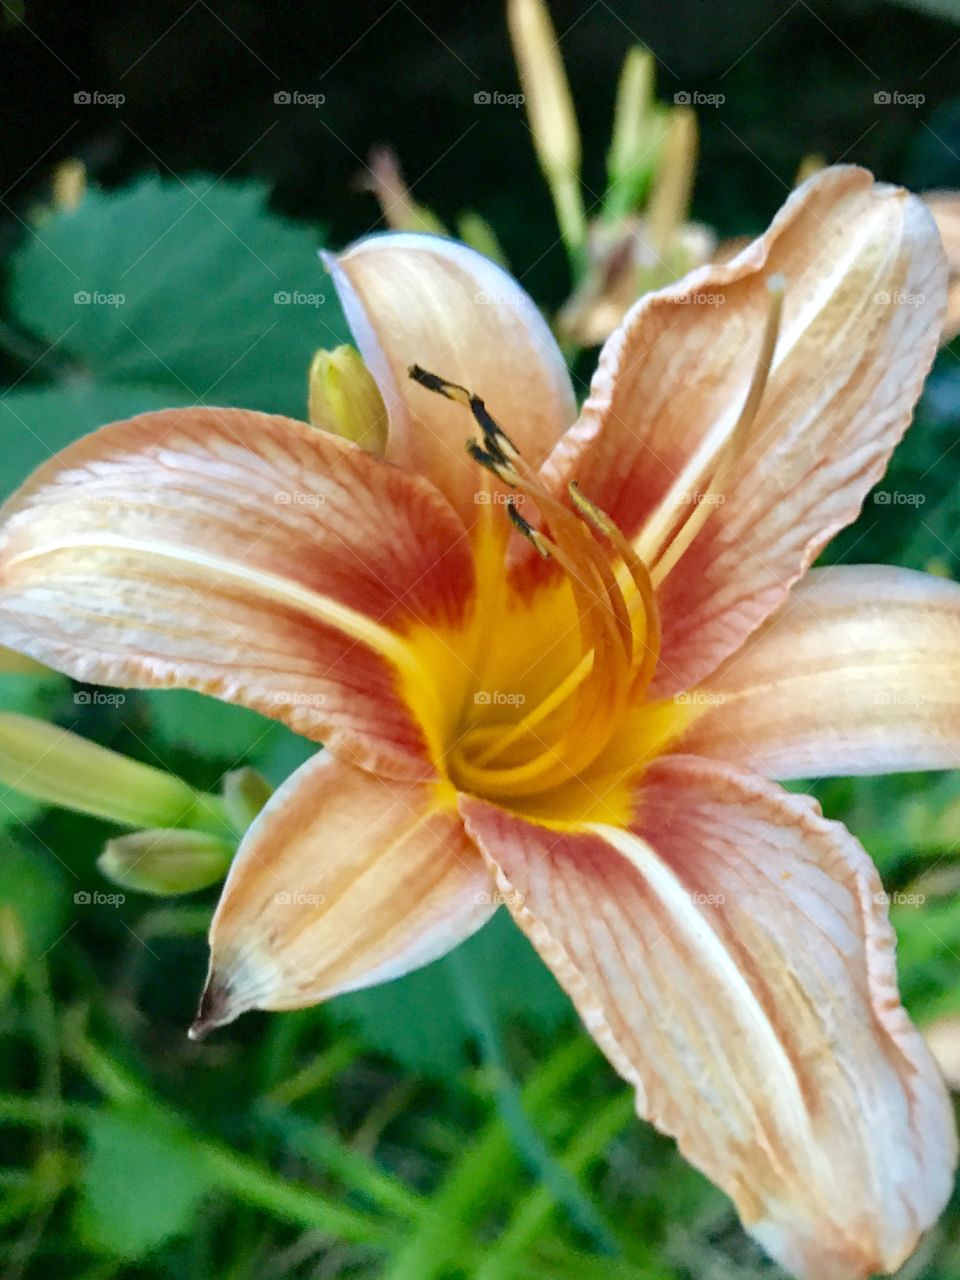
(561, 670)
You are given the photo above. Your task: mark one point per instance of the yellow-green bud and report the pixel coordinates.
(639, 127)
(61, 768)
(69, 184)
(245, 792)
(478, 234)
(549, 104)
(13, 663)
(166, 861)
(631, 117)
(673, 183)
(13, 940)
(345, 400)
(400, 211)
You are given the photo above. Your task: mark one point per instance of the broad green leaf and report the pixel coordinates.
(36, 422)
(421, 1020)
(188, 721)
(142, 1182)
(193, 288)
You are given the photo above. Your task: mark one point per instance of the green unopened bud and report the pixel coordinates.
(345, 400)
(639, 125)
(809, 165)
(13, 940)
(673, 184)
(245, 792)
(553, 121)
(478, 234)
(166, 861)
(13, 663)
(69, 184)
(384, 178)
(61, 768)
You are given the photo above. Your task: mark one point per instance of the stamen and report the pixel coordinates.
(493, 434)
(527, 529)
(736, 443)
(493, 463)
(776, 287)
(604, 679)
(641, 579)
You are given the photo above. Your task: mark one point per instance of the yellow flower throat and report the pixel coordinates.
(543, 696)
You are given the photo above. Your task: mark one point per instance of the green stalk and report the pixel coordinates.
(232, 1173)
(534, 1213)
(354, 1170)
(530, 1145)
(442, 1238)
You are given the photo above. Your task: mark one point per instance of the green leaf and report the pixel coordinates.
(420, 1021)
(183, 720)
(33, 884)
(29, 695)
(191, 288)
(142, 1182)
(36, 422)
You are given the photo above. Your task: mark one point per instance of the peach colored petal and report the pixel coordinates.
(858, 673)
(864, 302)
(945, 207)
(243, 555)
(420, 299)
(345, 880)
(732, 958)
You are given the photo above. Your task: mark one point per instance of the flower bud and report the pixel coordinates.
(61, 768)
(245, 792)
(13, 663)
(673, 183)
(345, 400)
(639, 128)
(384, 179)
(166, 861)
(553, 121)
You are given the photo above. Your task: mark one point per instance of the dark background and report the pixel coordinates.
(199, 82)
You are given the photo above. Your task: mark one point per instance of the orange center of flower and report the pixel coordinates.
(549, 712)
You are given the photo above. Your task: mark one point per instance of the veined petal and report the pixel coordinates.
(243, 555)
(732, 958)
(945, 207)
(865, 296)
(858, 673)
(420, 299)
(344, 880)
